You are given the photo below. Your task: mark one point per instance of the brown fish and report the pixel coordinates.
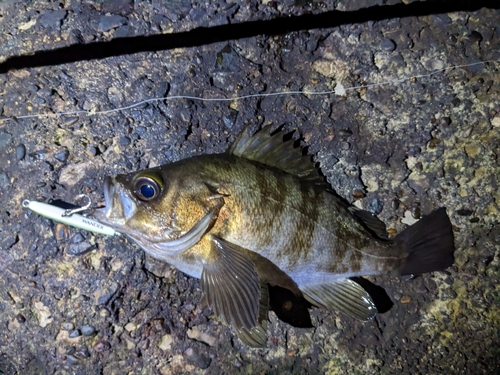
(261, 214)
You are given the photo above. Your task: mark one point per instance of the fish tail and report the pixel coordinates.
(429, 244)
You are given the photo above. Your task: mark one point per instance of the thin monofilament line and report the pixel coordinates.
(242, 97)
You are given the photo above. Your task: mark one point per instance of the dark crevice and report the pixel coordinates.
(207, 35)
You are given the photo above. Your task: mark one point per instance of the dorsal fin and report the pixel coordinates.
(373, 223)
(271, 150)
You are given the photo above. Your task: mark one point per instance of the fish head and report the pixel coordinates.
(165, 209)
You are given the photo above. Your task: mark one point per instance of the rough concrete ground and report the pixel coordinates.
(75, 303)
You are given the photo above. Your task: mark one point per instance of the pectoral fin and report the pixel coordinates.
(231, 285)
(268, 272)
(256, 336)
(343, 295)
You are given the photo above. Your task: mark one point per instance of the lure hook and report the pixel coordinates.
(72, 211)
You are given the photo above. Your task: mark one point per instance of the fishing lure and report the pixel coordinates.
(70, 216)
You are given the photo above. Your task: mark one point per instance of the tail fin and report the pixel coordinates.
(429, 244)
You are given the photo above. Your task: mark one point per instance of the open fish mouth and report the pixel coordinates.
(117, 207)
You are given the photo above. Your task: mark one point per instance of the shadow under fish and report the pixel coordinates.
(259, 223)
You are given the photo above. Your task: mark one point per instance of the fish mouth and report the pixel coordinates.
(119, 207)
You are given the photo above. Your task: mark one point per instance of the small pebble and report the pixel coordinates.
(196, 359)
(5, 139)
(230, 118)
(40, 154)
(70, 350)
(125, 141)
(81, 248)
(375, 206)
(388, 45)
(345, 133)
(434, 142)
(345, 146)
(61, 232)
(358, 194)
(104, 295)
(185, 116)
(68, 326)
(87, 330)
(395, 204)
(467, 132)
(77, 238)
(72, 360)
(414, 150)
(20, 318)
(68, 121)
(464, 212)
(92, 151)
(75, 333)
(83, 352)
(144, 344)
(4, 179)
(416, 212)
(445, 120)
(104, 313)
(101, 346)
(405, 299)
(456, 102)
(20, 151)
(62, 156)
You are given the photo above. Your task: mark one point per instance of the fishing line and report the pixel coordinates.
(336, 91)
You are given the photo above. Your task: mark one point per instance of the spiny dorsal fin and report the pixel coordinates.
(271, 150)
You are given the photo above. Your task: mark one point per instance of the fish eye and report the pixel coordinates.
(146, 188)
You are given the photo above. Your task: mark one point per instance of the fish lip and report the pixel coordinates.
(109, 190)
(104, 214)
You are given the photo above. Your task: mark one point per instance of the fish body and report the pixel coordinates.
(260, 214)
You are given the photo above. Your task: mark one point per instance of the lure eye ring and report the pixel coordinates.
(146, 189)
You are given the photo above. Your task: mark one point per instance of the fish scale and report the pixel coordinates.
(310, 233)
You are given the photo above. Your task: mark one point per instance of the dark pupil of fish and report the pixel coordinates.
(147, 191)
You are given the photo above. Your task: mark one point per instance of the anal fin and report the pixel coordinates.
(344, 295)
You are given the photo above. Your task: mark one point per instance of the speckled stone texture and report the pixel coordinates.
(76, 303)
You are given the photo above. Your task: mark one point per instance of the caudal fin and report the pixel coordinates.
(429, 244)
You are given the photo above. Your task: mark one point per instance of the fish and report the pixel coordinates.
(262, 215)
